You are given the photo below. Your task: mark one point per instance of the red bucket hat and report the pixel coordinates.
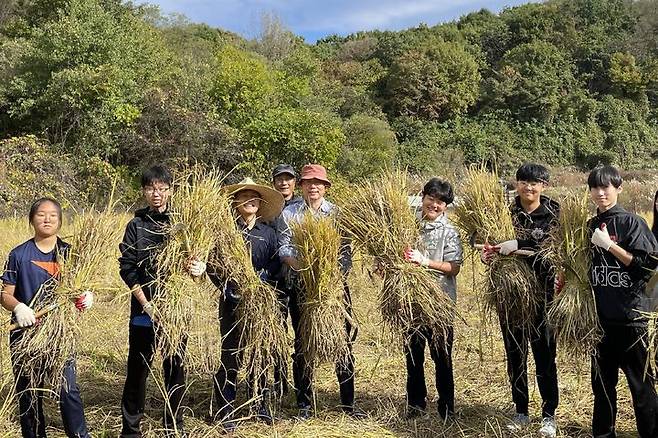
(315, 171)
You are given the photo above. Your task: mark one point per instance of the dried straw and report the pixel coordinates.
(42, 352)
(378, 217)
(323, 306)
(573, 311)
(180, 298)
(510, 287)
(263, 338)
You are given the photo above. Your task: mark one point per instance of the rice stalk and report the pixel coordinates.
(572, 314)
(377, 216)
(180, 298)
(323, 307)
(510, 287)
(263, 339)
(42, 352)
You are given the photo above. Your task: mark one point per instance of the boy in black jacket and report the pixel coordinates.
(144, 235)
(534, 216)
(623, 251)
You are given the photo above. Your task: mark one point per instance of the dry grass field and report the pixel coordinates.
(483, 399)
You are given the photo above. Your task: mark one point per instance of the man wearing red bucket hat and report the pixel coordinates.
(314, 184)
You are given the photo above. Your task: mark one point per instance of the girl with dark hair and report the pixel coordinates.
(31, 272)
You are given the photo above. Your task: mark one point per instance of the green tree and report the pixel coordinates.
(436, 83)
(370, 146)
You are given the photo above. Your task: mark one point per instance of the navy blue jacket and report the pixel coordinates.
(262, 244)
(143, 237)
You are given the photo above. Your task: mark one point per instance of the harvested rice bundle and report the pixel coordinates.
(42, 352)
(378, 217)
(190, 236)
(510, 287)
(263, 337)
(573, 311)
(323, 307)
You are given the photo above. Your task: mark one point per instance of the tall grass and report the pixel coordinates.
(323, 306)
(510, 288)
(378, 217)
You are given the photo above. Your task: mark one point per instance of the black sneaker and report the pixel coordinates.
(262, 413)
(305, 413)
(446, 413)
(415, 412)
(229, 427)
(355, 412)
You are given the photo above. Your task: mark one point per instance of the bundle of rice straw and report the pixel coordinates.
(262, 335)
(42, 352)
(510, 287)
(181, 299)
(573, 311)
(377, 215)
(323, 307)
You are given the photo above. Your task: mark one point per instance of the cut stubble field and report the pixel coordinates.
(483, 396)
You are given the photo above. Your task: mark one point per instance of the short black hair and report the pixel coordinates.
(39, 202)
(603, 176)
(533, 172)
(439, 189)
(157, 173)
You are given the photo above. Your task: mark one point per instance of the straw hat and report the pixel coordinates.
(271, 201)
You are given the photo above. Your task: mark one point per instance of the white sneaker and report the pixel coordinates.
(548, 428)
(519, 421)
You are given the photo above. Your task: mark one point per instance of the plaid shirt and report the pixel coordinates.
(439, 241)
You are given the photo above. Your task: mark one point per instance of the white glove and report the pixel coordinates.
(24, 315)
(508, 247)
(601, 238)
(85, 300)
(197, 268)
(148, 309)
(417, 257)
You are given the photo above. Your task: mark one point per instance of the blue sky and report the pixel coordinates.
(316, 19)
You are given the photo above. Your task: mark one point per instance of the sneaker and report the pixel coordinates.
(414, 412)
(548, 428)
(262, 413)
(518, 422)
(354, 412)
(304, 413)
(229, 427)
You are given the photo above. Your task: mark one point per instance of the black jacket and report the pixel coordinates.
(262, 244)
(532, 229)
(144, 235)
(619, 289)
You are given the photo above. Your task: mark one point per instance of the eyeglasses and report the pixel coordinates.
(151, 190)
(531, 184)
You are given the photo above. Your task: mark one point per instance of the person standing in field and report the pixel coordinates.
(314, 184)
(440, 250)
(255, 205)
(31, 274)
(623, 256)
(144, 235)
(284, 179)
(534, 216)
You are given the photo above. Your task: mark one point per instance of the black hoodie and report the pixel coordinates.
(532, 229)
(144, 234)
(619, 289)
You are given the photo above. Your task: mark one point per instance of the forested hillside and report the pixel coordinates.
(91, 89)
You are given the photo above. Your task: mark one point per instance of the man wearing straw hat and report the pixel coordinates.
(143, 236)
(314, 184)
(255, 205)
